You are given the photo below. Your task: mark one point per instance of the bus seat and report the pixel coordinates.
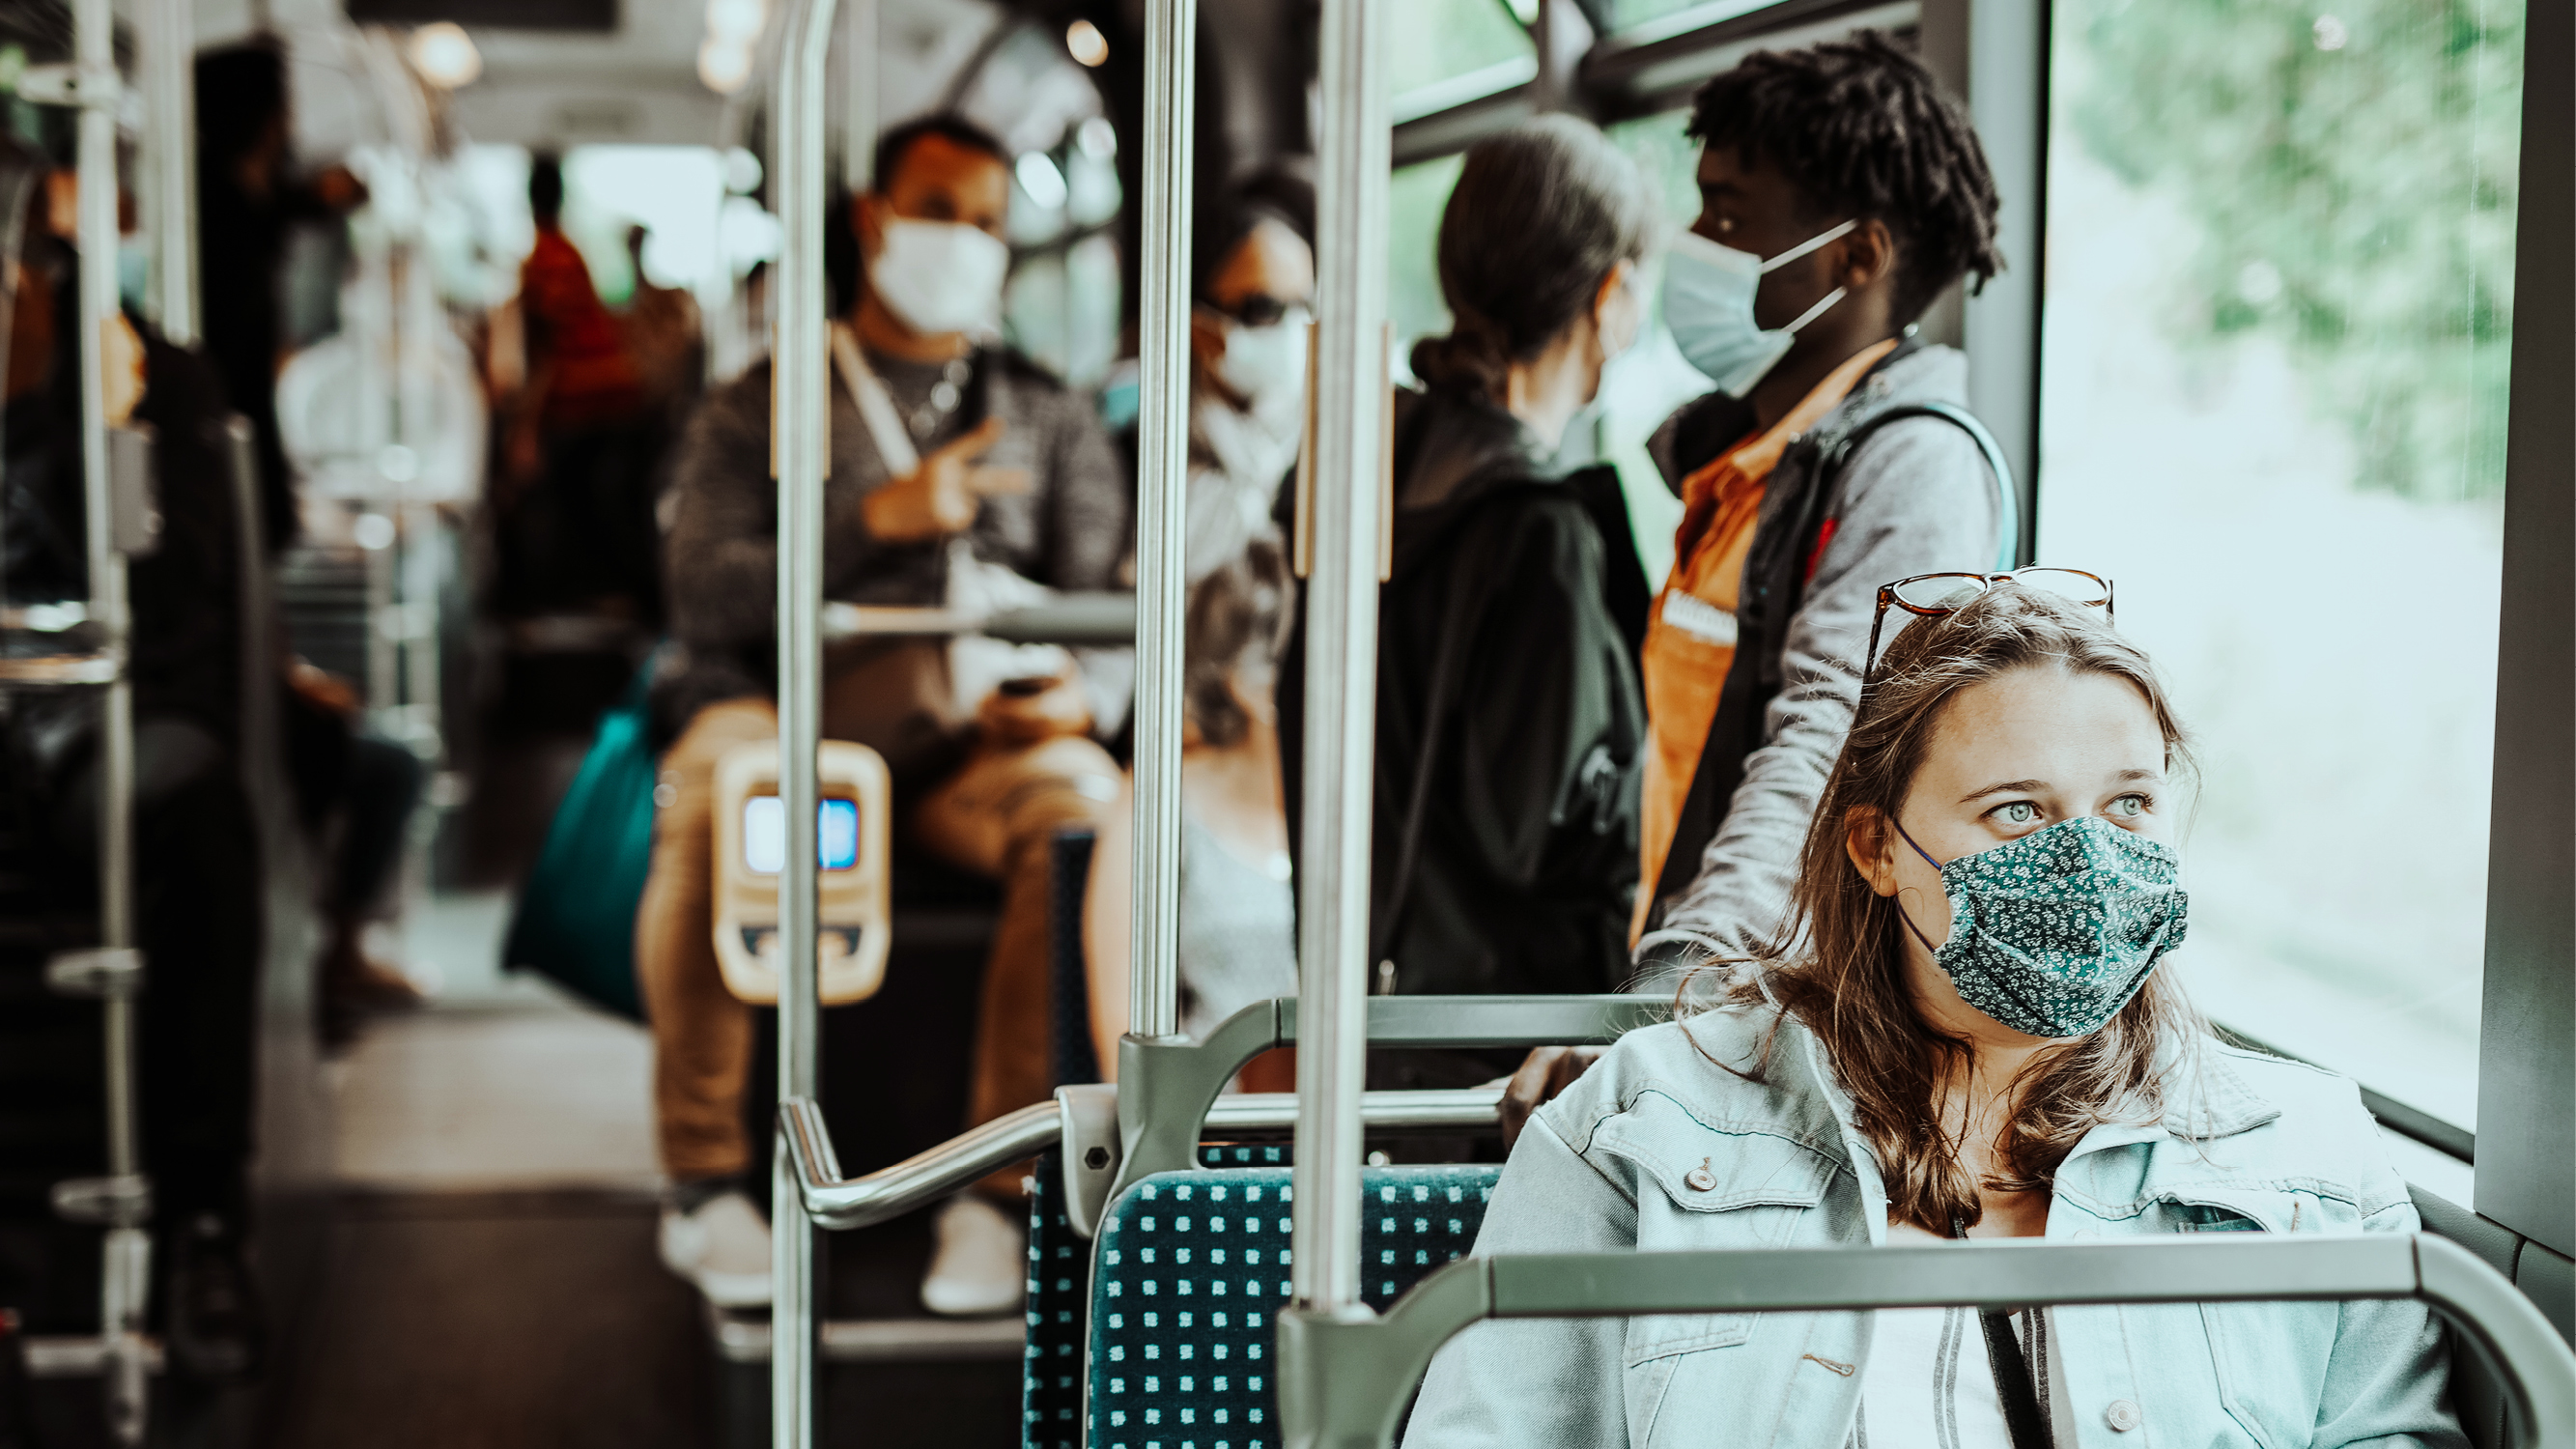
(1059, 1296)
(1077, 1061)
(1193, 1269)
(854, 914)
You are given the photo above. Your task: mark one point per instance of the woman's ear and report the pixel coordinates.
(1865, 841)
(1618, 313)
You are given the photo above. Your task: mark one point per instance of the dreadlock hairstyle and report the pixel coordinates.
(1862, 130)
(1838, 965)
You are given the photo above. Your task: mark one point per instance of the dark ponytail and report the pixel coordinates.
(1540, 215)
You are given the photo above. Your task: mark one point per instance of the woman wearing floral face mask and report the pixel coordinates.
(1508, 717)
(1963, 1031)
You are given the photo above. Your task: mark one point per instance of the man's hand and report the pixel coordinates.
(1024, 712)
(940, 497)
(1547, 1071)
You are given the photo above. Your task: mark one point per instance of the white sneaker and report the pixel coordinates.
(723, 1248)
(982, 1266)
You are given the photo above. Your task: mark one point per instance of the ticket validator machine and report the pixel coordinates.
(853, 839)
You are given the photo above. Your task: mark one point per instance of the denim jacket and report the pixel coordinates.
(2247, 1143)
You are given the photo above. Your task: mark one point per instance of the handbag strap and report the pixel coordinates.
(2015, 1390)
(876, 407)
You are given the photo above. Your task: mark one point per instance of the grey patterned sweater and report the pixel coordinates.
(1069, 531)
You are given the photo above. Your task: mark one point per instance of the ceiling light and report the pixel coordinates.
(723, 65)
(1086, 42)
(444, 55)
(737, 20)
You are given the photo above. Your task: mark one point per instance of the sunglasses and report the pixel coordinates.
(1931, 596)
(1257, 310)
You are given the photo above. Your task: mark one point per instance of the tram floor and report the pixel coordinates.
(488, 1272)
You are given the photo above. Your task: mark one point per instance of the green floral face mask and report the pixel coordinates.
(2052, 934)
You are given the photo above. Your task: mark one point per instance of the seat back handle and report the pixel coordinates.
(1373, 1366)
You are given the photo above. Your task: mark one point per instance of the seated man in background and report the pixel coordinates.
(1014, 482)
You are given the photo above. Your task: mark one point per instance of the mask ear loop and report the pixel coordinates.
(1901, 913)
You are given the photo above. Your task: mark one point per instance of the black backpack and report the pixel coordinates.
(1783, 556)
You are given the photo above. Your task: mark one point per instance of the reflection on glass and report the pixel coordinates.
(2280, 265)
(1432, 41)
(1663, 15)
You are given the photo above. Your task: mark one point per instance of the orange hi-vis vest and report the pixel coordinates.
(1690, 641)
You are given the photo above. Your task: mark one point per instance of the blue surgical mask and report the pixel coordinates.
(1708, 304)
(2053, 933)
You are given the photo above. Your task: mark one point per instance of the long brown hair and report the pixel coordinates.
(1838, 964)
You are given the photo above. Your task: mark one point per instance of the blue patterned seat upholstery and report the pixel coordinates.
(1194, 1269)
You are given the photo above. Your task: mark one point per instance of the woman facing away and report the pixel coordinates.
(1961, 1033)
(1510, 724)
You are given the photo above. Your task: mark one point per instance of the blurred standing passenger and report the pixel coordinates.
(664, 334)
(1012, 482)
(197, 876)
(247, 200)
(1840, 193)
(575, 496)
(1508, 719)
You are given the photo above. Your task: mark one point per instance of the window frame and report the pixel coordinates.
(1996, 53)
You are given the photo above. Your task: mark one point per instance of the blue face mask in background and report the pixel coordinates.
(1708, 304)
(2052, 934)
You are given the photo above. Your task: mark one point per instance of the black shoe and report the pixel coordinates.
(217, 1330)
(17, 1428)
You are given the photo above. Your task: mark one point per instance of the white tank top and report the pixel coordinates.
(1929, 1385)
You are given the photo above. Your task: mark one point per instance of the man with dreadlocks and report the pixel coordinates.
(1840, 193)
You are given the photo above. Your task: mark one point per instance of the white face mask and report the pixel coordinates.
(1265, 365)
(1708, 304)
(939, 276)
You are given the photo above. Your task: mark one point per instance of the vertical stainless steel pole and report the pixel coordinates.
(859, 31)
(170, 110)
(1154, 988)
(127, 1271)
(1341, 653)
(801, 452)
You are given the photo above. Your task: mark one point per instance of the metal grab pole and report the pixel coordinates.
(1341, 655)
(170, 113)
(127, 1263)
(801, 454)
(859, 31)
(1162, 485)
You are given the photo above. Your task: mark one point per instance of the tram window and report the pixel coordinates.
(764, 834)
(1442, 52)
(2279, 285)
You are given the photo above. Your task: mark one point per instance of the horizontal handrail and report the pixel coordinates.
(1101, 618)
(1172, 1081)
(1372, 1366)
(1468, 1107)
(58, 670)
(842, 1203)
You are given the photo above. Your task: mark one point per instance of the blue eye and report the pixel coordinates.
(2018, 812)
(2127, 807)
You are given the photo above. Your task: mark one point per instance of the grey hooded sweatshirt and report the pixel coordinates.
(1916, 497)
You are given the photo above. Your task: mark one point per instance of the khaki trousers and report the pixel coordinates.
(995, 816)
